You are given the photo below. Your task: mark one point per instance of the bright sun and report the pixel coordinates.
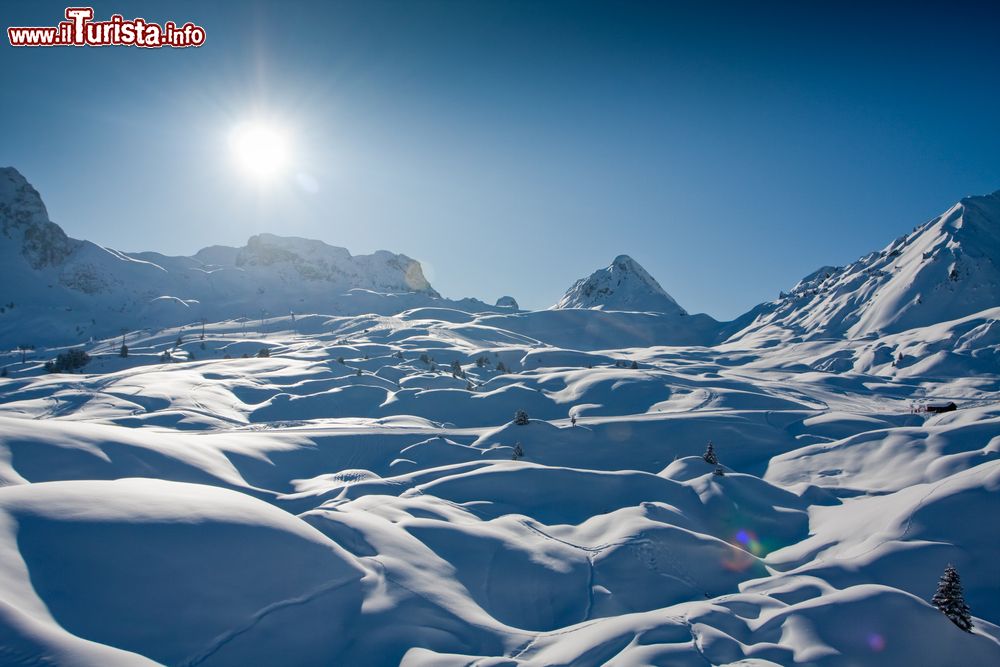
(260, 149)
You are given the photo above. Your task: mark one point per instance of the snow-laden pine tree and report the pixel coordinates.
(709, 454)
(520, 417)
(518, 452)
(950, 600)
(719, 471)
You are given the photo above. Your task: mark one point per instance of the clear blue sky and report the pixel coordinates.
(512, 147)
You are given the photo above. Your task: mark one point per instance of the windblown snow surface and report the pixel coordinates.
(349, 500)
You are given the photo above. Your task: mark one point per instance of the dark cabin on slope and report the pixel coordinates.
(941, 407)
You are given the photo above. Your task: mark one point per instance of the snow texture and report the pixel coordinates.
(347, 499)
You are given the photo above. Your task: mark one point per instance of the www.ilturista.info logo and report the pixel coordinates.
(79, 29)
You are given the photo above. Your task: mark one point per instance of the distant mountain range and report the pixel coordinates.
(59, 290)
(56, 289)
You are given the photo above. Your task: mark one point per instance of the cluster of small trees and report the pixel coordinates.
(68, 361)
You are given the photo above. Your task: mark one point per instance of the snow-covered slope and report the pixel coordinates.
(60, 290)
(946, 269)
(350, 499)
(623, 285)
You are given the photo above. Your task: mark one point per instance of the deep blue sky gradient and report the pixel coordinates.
(512, 147)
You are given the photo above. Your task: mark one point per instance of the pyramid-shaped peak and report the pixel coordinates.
(622, 285)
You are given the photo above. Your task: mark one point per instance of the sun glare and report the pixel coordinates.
(260, 149)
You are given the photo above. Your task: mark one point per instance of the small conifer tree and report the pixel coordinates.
(950, 599)
(709, 455)
(520, 417)
(518, 452)
(124, 351)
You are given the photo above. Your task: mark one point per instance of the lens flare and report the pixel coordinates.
(876, 642)
(748, 540)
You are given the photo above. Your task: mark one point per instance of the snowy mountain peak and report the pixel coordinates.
(17, 194)
(945, 269)
(315, 260)
(623, 285)
(25, 226)
(67, 289)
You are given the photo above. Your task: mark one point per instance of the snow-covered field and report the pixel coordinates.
(354, 490)
(289, 510)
